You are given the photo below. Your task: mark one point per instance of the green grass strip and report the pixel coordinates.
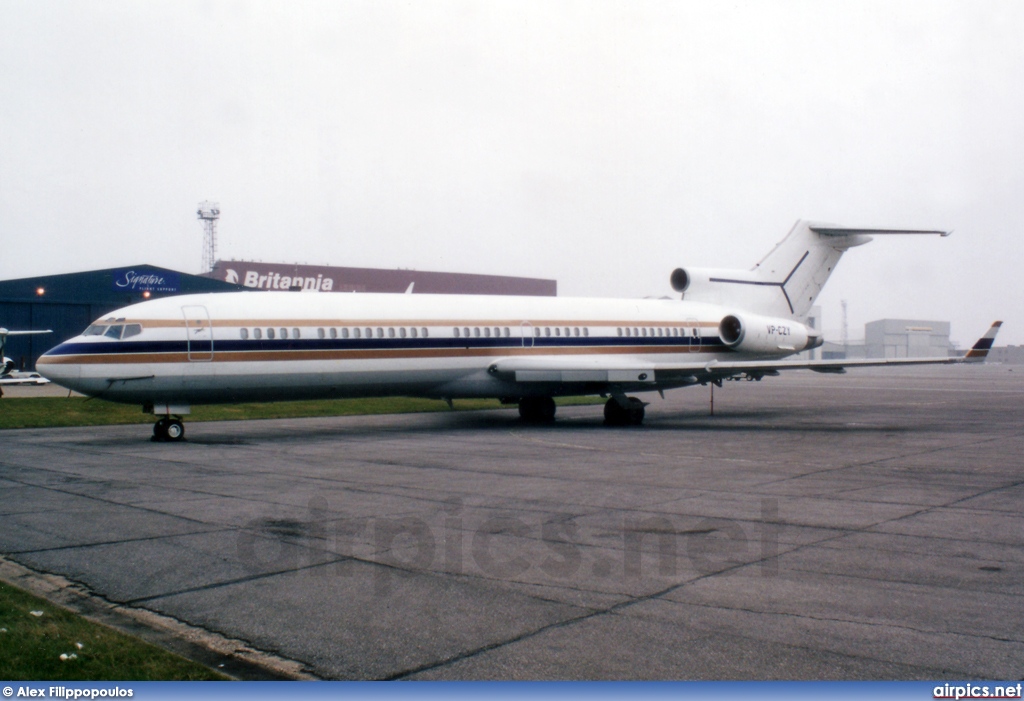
(50, 412)
(34, 634)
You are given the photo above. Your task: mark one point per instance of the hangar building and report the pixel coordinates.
(904, 338)
(70, 302)
(322, 278)
(896, 338)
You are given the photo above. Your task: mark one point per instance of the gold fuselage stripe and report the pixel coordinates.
(292, 355)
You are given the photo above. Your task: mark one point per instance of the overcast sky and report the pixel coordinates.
(601, 144)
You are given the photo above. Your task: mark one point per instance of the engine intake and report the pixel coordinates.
(680, 280)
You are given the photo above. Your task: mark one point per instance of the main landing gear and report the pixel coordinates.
(618, 414)
(537, 410)
(621, 411)
(168, 428)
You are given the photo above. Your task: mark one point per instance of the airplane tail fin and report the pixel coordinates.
(979, 351)
(787, 280)
(800, 264)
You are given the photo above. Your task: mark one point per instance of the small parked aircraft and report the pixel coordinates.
(8, 375)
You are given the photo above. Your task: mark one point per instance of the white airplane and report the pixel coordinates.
(8, 375)
(170, 353)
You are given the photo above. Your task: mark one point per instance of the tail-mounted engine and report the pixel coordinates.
(749, 333)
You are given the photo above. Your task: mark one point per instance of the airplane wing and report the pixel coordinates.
(24, 379)
(636, 371)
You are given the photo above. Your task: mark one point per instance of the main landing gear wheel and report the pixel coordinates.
(168, 429)
(537, 410)
(617, 415)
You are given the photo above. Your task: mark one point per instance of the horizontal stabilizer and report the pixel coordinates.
(854, 231)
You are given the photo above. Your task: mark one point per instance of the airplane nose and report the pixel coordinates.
(51, 366)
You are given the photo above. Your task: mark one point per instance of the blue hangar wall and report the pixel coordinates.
(68, 303)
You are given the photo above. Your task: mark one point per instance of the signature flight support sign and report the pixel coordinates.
(138, 280)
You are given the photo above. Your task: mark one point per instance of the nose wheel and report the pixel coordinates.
(632, 414)
(168, 429)
(537, 410)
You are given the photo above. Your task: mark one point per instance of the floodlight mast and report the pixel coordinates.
(209, 213)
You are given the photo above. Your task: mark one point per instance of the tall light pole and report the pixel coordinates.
(209, 213)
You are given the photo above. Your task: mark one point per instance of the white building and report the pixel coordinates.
(906, 338)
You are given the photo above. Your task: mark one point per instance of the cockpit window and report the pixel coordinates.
(131, 330)
(114, 331)
(95, 330)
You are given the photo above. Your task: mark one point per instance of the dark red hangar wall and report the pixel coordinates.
(321, 278)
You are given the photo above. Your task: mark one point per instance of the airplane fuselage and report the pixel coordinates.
(263, 346)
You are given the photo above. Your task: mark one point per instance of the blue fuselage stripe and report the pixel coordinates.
(377, 344)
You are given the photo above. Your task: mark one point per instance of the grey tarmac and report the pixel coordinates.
(865, 526)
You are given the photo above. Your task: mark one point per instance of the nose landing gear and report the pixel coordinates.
(537, 410)
(168, 429)
(631, 413)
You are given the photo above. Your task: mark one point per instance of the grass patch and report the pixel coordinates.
(49, 412)
(31, 647)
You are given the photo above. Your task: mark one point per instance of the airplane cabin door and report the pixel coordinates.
(526, 329)
(198, 333)
(693, 329)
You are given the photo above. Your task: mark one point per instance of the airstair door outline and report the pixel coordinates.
(198, 333)
(526, 329)
(693, 328)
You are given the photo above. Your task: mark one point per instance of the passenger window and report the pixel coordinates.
(576, 331)
(320, 333)
(369, 332)
(391, 332)
(476, 331)
(380, 332)
(131, 330)
(619, 330)
(257, 334)
(507, 332)
(547, 330)
(487, 331)
(355, 332)
(423, 332)
(296, 334)
(244, 333)
(465, 331)
(114, 331)
(566, 330)
(536, 331)
(284, 333)
(586, 331)
(412, 332)
(456, 332)
(402, 332)
(558, 331)
(270, 334)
